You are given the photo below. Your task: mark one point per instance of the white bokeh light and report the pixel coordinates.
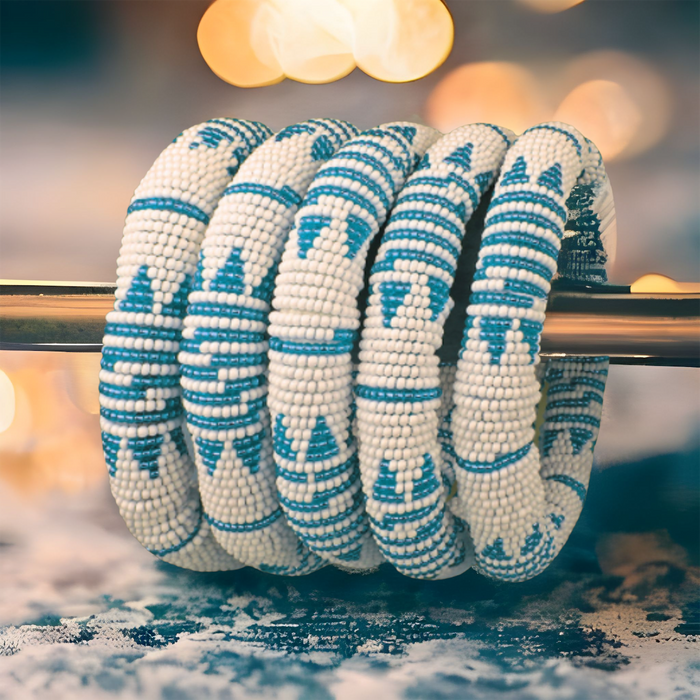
(7, 402)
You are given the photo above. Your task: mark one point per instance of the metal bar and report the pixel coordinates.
(657, 329)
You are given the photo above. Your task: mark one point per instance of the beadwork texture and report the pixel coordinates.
(224, 348)
(440, 457)
(312, 332)
(151, 473)
(521, 502)
(398, 391)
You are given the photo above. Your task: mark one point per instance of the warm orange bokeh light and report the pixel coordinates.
(550, 6)
(253, 43)
(7, 402)
(614, 99)
(498, 93)
(224, 36)
(397, 42)
(604, 112)
(53, 442)
(643, 98)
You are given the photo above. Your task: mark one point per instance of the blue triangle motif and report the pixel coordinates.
(358, 233)
(392, 297)
(178, 437)
(264, 290)
(209, 452)
(461, 156)
(179, 301)
(385, 485)
(111, 445)
(579, 437)
(248, 450)
(139, 296)
(494, 331)
(552, 179)
(309, 230)
(439, 294)
(495, 551)
(532, 541)
(517, 175)
(548, 439)
(322, 444)
(230, 277)
(322, 149)
(428, 482)
(146, 451)
(281, 443)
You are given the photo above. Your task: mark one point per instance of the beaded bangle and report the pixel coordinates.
(398, 391)
(151, 473)
(312, 332)
(547, 207)
(224, 349)
(521, 507)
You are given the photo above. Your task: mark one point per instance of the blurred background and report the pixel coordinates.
(92, 91)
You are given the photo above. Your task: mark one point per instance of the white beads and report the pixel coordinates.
(144, 437)
(399, 380)
(224, 346)
(314, 325)
(521, 507)
(289, 490)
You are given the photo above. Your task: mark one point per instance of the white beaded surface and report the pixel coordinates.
(224, 350)
(152, 475)
(312, 332)
(522, 502)
(439, 458)
(398, 388)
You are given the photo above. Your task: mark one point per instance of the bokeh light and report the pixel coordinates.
(7, 402)
(550, 6)
(53, 443)
(654, 283)
(225, 36)
(604, 112)
(253, 43)
(640, 104)
(614, 99)
(498, 93)
(82, 381)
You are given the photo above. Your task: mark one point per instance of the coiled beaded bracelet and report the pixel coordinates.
(398, 391)
(312, 333)
(290, 490)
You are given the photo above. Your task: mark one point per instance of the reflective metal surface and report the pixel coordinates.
(630, 328)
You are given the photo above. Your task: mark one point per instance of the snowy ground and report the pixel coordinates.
(86, 613)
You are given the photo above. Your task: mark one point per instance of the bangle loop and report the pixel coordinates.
(398, 391)
(312, 333)
(151, 472)
(224, 349)
(521, 507)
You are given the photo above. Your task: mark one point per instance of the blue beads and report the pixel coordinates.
(405, 473)
(497, 390)
(223, 353)
(242, 260)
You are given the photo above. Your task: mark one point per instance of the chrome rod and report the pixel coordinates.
(653, 329)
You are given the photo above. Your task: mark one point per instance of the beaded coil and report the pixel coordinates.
(255, 414)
